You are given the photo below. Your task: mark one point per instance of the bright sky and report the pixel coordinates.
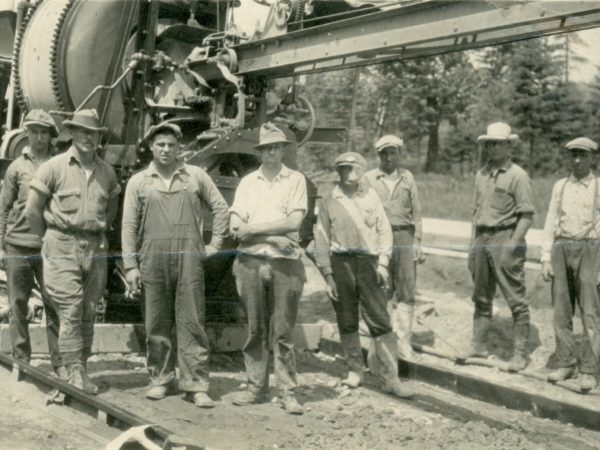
(250, 16)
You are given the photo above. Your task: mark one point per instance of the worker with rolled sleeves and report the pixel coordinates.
(503, 212)
(269, 206)
(72, 202)
(571, 259)
(353, 246)
(163, 211)
(20, 248)
(398, 192)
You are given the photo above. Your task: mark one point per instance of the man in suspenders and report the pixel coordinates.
(570, 259)
(162, 213)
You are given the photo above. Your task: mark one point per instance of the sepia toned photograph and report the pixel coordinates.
(299, 224)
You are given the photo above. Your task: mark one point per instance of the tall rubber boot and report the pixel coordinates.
(354, 359)
(478, 347)
(387, 354)
(520, 358)
(403, 327)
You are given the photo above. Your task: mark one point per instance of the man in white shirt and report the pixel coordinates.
(570, 259)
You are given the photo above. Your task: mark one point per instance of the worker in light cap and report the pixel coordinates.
(571, 260)
(20, 247)
(503, 213)
(398, 192)
(163, 251)
(353, 246)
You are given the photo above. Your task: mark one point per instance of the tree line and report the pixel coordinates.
(440, 104)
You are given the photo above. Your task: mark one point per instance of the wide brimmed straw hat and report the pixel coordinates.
(86, 118)
(270, 134)
(498, 131)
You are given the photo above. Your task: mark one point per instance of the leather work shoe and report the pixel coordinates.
(398, 388)
(517, 363)
(291, 405)
(353, 380)
(562, 374)
(78, 377)
(158, 392)
(200, 399)
(61, 373)
(587, 382)
(244, 398)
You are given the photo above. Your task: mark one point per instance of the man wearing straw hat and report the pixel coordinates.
(571, 259)
(20, 247)
(503, 212)
(163, 210)
(72, 202)
(266, 215)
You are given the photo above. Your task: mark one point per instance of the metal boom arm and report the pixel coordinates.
(410, 30)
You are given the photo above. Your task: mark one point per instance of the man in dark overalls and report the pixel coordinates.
(163, 211)
(20, 247)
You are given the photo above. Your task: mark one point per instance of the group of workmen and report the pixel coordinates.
(55, 210)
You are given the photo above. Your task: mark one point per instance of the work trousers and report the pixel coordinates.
(270, 290)
(575, 267)
(23, 268)
(75, 279)
(495, 261)
(403, 267)
(356, 281)
(173, 280)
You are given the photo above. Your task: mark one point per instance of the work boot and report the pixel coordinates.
(478, 347)
(200, 399)
(61, 373)
(587, 382)
(354, 359)
(387, 353)
(158, 392)
(562, 374)
(78, 377)
(291, 405)
(521, 337)
(403, 327)
(247, 397)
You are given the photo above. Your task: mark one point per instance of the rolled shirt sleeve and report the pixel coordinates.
(298, 200)
(132, 211)
(523, 195)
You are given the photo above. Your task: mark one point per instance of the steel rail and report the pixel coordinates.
(114, 416)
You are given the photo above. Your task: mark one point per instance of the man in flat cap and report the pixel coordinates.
(20, 247)
(269, 206)
(353, 246)
(571, 260)
(163, 213)
(72, 203)
(503, 212)
(398, 192)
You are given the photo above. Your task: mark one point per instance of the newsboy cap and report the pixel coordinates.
(155, 129)
(582, 143)
(389, 140)
(41, 118)
(350, 159)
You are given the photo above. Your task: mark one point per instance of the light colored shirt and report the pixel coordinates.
(259, 201)
(402, 204)
(501, 195)
(571, 212)
(14, 228)
(352, 225)
(76, 204)
(189, 177)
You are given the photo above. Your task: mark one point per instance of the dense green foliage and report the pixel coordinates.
(441, 104)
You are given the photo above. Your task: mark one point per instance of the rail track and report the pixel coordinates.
(448, 405)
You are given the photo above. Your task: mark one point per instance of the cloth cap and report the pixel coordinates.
(350, 159)
(389, 140)
(155, 129)
(86, 118)
(270, 134)
(42, 118)
(582, 143)
(498, 131)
